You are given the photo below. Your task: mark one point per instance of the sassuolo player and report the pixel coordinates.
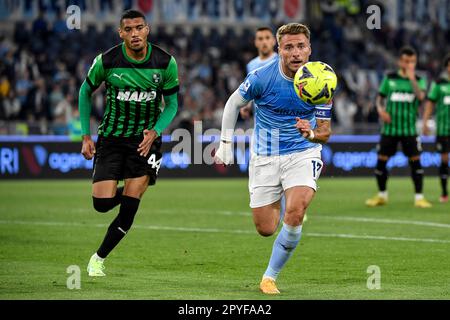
(138, 76)
(439, 96)
(399, 96)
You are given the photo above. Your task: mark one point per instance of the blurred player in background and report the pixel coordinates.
(404, 91)
(439, 95)
(286, 144)
(265, 43)
(137, 75)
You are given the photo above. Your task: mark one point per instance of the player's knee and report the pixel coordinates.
(265, 230)
(294, 216)
(299, 208)
(103, 204)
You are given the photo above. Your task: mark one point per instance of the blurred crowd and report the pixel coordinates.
(43, 63)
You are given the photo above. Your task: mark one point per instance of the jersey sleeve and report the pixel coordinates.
(96, 74)
(433, 93)
(247, 68)
(383, 90)
(323, 111)
(171, 84)
(251, 88)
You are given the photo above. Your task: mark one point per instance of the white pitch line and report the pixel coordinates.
(214, 230)
(313, 216)
(388, 221)
(369, 237)
(357, 219)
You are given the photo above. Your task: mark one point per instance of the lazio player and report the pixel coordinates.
(403, 91)
(287, 143)
(264, 43)
(439, 95)
(138, 75)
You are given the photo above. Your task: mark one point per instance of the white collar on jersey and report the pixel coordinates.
(282, 73)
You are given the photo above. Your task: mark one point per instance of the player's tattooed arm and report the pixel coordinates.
(320, 134)
(429, 106)
(411, 74)
(381, 109)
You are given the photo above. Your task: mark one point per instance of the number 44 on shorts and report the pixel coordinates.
(155, 164)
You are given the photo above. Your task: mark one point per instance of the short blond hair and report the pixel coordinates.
(292, 28)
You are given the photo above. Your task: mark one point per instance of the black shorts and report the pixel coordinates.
(411, 145)
(118, 159)
(443, 144)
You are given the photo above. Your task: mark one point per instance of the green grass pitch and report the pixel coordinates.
(195, 239)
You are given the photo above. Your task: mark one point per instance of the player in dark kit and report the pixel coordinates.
(439, 95)
(138, 76)
(404, 91)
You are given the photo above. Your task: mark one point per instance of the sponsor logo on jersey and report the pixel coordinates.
(136, 96)
(156, 77)
(118, 76)
(446, 100)
(290, 112)
(402, 97)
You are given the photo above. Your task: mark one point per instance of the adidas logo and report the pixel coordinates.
(136, 96)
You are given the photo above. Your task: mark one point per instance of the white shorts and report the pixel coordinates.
(269, 176)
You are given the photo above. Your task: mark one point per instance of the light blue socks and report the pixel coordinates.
(283, 247)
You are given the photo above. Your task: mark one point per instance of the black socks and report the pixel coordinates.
(443, 175)
(417, 175)
(381, 174)
(120, 225)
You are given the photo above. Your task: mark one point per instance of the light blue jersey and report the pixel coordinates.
(256, 63)
(276, 107)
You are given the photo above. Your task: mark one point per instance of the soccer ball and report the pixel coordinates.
(315, 83)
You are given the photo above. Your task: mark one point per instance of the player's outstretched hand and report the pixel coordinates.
(224, 155)
(144, 146)
(303, 126)
(88, 148)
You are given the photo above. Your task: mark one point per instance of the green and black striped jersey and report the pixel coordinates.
(440, 94)
(402, 104)
(134, 89)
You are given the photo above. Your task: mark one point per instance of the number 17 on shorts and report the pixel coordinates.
(316, 168)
